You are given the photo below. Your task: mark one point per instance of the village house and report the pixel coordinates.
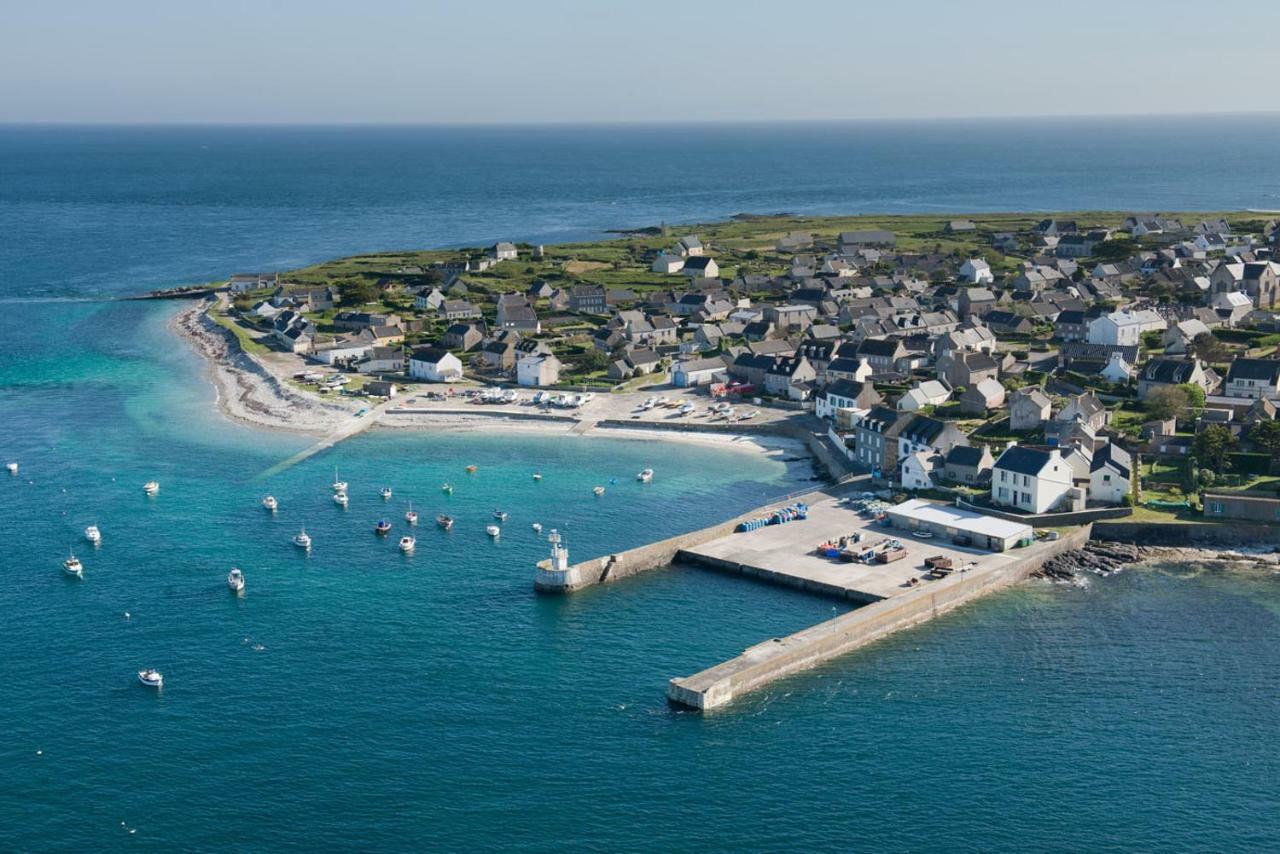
(382, 360)
(430, 300)
(463, 336)
(845, 394)
(1253, 378)
(881, 354)
(964, 368)
(982, 396)
(876, 439)
(1159, 373)
(1110, 474)
(1087, 409)
(696, 372)
(1178, 338)
(354, 321)
(459, 310)
(853, 240)
(976, 271)
(916, 471)
(1008, 323)
(241, 282)
(922, 433)
(667, 264)
(434, 365)
(975, 302)
(927, 393)
(1029, 408)
(1241, 507)
(503, 251)
(689, 246)
(701, 266)
(786, 376)
(1034, 480)
(538, 370)
(588, 299)
(499, 351)
(970, 465)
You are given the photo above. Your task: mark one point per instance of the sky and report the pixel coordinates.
(504, 61)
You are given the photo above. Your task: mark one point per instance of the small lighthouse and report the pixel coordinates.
(554, 574)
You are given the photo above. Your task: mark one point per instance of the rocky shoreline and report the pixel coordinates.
(1107, 558)
(248, 391)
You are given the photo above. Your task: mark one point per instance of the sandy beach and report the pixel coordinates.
(257, 391)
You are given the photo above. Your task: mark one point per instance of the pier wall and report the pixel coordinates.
(779, 657)
(1190, 535)
(644, 558)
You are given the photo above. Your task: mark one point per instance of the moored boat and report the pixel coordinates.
(235, 580)
(302, 540)
(151, 678)
(72, 566)
(385, 492)
(12, 468)
(446, 488)
(338, 485)
(93, 535)
(537, 475)
(151, 487)
(407, 543)
(493, 530)
(270, 503)
(471, 469)
(444, 521)
(411, 515)
(340, 498)
(382, 528)
(500, 515)
(599, 490)
(645, 476)
(537, 527)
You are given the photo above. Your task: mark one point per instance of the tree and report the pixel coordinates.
(1195, 397)
(1213, 444)
(1265, 436)
(1116, 250)
(357, 291)
(1208, 347)
(1167, 402)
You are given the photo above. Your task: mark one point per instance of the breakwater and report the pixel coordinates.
(780, 657)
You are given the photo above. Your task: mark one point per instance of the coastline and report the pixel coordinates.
(250, 391)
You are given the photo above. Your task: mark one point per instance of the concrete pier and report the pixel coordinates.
(780, 657)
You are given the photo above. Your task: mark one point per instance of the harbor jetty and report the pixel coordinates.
(903, 565)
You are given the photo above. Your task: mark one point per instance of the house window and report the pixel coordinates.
(1002, 476)
(1106, 478)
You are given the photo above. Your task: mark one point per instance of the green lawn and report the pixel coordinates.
(247, 341)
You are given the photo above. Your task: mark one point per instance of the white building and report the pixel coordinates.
(665, 263)
(917, 470)
(976, 271)
(535, 370)
(435, 365)
(1110, 475)
(1124, 328)
(1035, 480)
(927, 393)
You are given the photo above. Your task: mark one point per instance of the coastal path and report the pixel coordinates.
(356, 425)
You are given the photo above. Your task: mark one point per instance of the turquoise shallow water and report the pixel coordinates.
(360, 699)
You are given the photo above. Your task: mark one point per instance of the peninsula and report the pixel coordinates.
(989, 390)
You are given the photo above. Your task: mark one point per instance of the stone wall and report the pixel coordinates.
(1051, 520)
(779, 657)
(1190, 535)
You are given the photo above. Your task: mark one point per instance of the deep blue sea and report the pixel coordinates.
(357, 698)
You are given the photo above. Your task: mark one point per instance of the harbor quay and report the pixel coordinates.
(901, 565)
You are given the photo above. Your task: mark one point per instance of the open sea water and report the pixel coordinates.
(358, 698)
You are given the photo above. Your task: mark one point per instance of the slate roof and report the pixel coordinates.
(1266, 370)
(1023, 460)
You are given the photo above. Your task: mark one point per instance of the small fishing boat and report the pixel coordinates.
(12, 468)
(270, 503)
(151, 678)
(382, 528)
(338, 485)
(72, 566)
(599, 490)
(500, 515)
(302, 540)
(537, 475)
(537, 527)
(235, 580)
(447, 489)
(471, 469)
(645, 476)
(385, 492)
(444, 521)
(340, 498)
(411, 515)
(151, 487)
(407, 543)
(493, 530)
(93, 535)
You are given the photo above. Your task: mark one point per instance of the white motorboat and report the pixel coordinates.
(151, 487)
(537, 527)
(93, 535)
(500, 515)
(687, 409)
(340, 498)
(537, 475)
(235, 580)
(445, 522)
(407, 543)
(446, 488)
(151, 678)
(493, 530)
(599, 490)
(270, 503)
(302, 540)
(411, 515)
(72, 566)
(12, 468)
(385, 492)
(645, 476)
(338, 485)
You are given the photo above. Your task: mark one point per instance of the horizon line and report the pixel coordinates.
(375, 123)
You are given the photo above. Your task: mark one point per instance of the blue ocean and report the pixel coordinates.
(358, 698)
